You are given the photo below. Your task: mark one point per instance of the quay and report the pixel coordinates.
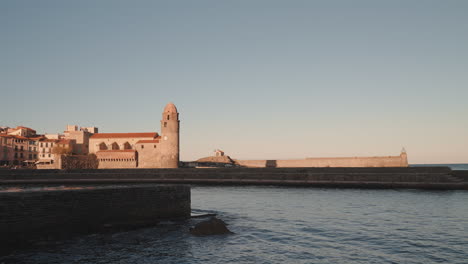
(437, 178)
(31, 215)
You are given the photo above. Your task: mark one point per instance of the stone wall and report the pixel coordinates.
(149, 154)
(117, 164)
(30, 215)
(441, 178)
(384, 161)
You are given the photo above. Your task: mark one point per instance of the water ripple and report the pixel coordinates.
(288, 225)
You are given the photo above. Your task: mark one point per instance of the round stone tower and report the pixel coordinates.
(170, 137)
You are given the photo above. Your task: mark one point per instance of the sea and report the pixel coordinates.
(287, 225)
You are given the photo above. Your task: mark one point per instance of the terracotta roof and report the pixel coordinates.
(23, 127)
(36, 138)
(125, 135)
(20, 137)
(148, 141)
(14, 136)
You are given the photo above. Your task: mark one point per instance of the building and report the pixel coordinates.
(18, 146)
(49, 151)
(140, 150)
(80, 137)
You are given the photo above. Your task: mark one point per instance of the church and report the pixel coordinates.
(140, 150)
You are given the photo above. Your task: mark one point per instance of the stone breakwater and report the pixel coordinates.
(442, 178)
(28, 215)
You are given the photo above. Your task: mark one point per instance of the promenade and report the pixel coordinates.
(441, 178)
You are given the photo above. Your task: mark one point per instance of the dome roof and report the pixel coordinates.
(170, 108)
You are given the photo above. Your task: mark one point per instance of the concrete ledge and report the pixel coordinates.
(29, 215)
(410, 177)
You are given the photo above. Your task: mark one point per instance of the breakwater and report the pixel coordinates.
(29, 215)
(398, 177)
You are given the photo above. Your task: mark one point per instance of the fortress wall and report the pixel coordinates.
(150, 155)
(30, 215)
(388, 161)
(119, 164)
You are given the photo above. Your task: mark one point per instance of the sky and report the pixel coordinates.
(257, 79)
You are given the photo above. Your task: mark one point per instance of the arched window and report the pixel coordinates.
(115, 146)
(102, 146)
(126, 145)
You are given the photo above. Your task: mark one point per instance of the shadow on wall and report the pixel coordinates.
(271, 164)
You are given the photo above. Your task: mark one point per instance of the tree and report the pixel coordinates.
(61, 150)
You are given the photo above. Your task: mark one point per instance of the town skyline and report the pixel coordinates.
(259, 79)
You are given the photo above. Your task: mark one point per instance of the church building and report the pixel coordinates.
(140, 150)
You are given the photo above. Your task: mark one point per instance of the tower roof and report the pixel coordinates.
(170, 108)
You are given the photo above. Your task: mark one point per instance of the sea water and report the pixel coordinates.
(288, 225)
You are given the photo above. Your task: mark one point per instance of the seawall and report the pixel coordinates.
(393, 177)
(380, 161)
(29, 215)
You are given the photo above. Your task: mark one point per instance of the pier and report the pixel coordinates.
(441, 178)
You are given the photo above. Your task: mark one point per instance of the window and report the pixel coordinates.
(115, 146)
(154, 146)
(142, 146)
(21, 148)
(46, 145)
(165, 124)
(49, 155)
(167, 117)
(102, 146)
(21, 155)
(41, 145)
(30, 156)
(127, 145)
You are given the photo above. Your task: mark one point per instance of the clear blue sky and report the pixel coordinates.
(258, 79)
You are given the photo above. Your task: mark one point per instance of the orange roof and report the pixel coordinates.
(36, 138)
(20, 137)
(125, 135)
(23, 127)
(148, 141)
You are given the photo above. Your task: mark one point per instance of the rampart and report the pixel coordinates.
(391, 177)
(28, 215)
(380, 161)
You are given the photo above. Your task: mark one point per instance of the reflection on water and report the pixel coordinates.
(45, 188)
(288, 225)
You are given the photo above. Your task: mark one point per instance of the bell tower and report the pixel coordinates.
(170, 137)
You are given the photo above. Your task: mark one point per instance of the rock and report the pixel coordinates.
(214, 226)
